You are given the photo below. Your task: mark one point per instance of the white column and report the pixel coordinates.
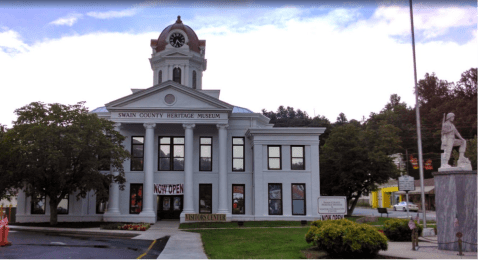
(169, 73)
(114, 193)
(149, 151)
(188, 188)
(223, 175)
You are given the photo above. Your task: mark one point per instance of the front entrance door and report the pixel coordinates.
(170, 207)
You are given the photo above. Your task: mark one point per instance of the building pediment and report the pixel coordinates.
(169, 96)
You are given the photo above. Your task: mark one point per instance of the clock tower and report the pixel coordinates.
(178, 55)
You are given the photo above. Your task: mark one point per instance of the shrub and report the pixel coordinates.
(346, 239)
(311, 232)
(398, 229)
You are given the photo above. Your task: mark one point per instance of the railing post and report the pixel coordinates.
(459, 241)
(413, 236)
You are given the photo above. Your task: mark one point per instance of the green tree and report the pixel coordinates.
(355, 159)
(471, 152)
(288, 117)
(55, 150)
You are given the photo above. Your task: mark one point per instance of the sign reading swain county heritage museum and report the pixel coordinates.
(128, 115)
(205, 217)
(168, 189)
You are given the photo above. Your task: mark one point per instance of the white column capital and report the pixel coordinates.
(189, 126)
(222, 126)
(149, 125)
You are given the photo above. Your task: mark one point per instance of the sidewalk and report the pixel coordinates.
(427, 250)
(181, 245)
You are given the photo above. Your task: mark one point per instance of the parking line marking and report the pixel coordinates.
(142, 255)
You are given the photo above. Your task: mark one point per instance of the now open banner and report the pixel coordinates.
(168, 189)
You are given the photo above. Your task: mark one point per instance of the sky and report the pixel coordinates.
(323, 57)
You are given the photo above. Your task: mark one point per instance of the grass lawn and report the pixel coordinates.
(254, 243)
(259, 243)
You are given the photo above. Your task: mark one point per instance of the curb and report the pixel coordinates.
(77, 231)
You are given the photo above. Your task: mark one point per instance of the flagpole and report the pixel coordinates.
(418, 122)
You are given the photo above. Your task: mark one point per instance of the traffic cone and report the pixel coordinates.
(4, 233)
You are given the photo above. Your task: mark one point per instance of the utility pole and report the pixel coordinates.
(418, 122)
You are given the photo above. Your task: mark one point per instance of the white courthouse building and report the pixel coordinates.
(195, 157)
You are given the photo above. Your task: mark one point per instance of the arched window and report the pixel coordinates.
(160, 77)
(177, 75)
(194, 79)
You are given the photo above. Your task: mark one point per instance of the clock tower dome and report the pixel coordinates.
(178, 55)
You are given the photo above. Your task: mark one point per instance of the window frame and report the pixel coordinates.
(172, 155)
(132, 157)
(32, 202)
(179, 77)
(97, 202)
(67, 197)
(194, 79)
(303, 158)
(200, 197)
(232, 199)
(280, 158)
(304, 200)
(211, 161)
(281, 185)
(129, 198)
(232, 154)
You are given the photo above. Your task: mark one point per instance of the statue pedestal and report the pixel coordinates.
(456, 197)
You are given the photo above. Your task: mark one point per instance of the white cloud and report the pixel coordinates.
(113, 14)
(432, 22)
(307, 63)
(11, 42)
(67, 20)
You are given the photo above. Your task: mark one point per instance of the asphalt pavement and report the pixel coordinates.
(53, 245)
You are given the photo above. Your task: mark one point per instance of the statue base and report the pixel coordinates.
(456, 198)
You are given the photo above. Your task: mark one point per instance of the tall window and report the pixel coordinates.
(137, 145)
(238, 154)
(274, 157)
(238, 199)
(105, 162)
(206, 193)
(177, 75)
(171, 152)
(136, 198)
(297, 157)
(160, 77)
(101, 205)
(194, 79)
(275, 198)
(62, 207)
(38, 205)
(298, 198)
(206, 153)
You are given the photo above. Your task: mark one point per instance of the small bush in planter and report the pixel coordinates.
(398, 229)
(347, 239)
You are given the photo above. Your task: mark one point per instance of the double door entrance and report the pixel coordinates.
(169, 207)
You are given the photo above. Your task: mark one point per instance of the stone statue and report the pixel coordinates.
(448, 138)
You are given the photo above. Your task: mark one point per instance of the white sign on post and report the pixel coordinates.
(332, 207)
(406, 183)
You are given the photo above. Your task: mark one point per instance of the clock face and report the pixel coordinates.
(177, 40)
